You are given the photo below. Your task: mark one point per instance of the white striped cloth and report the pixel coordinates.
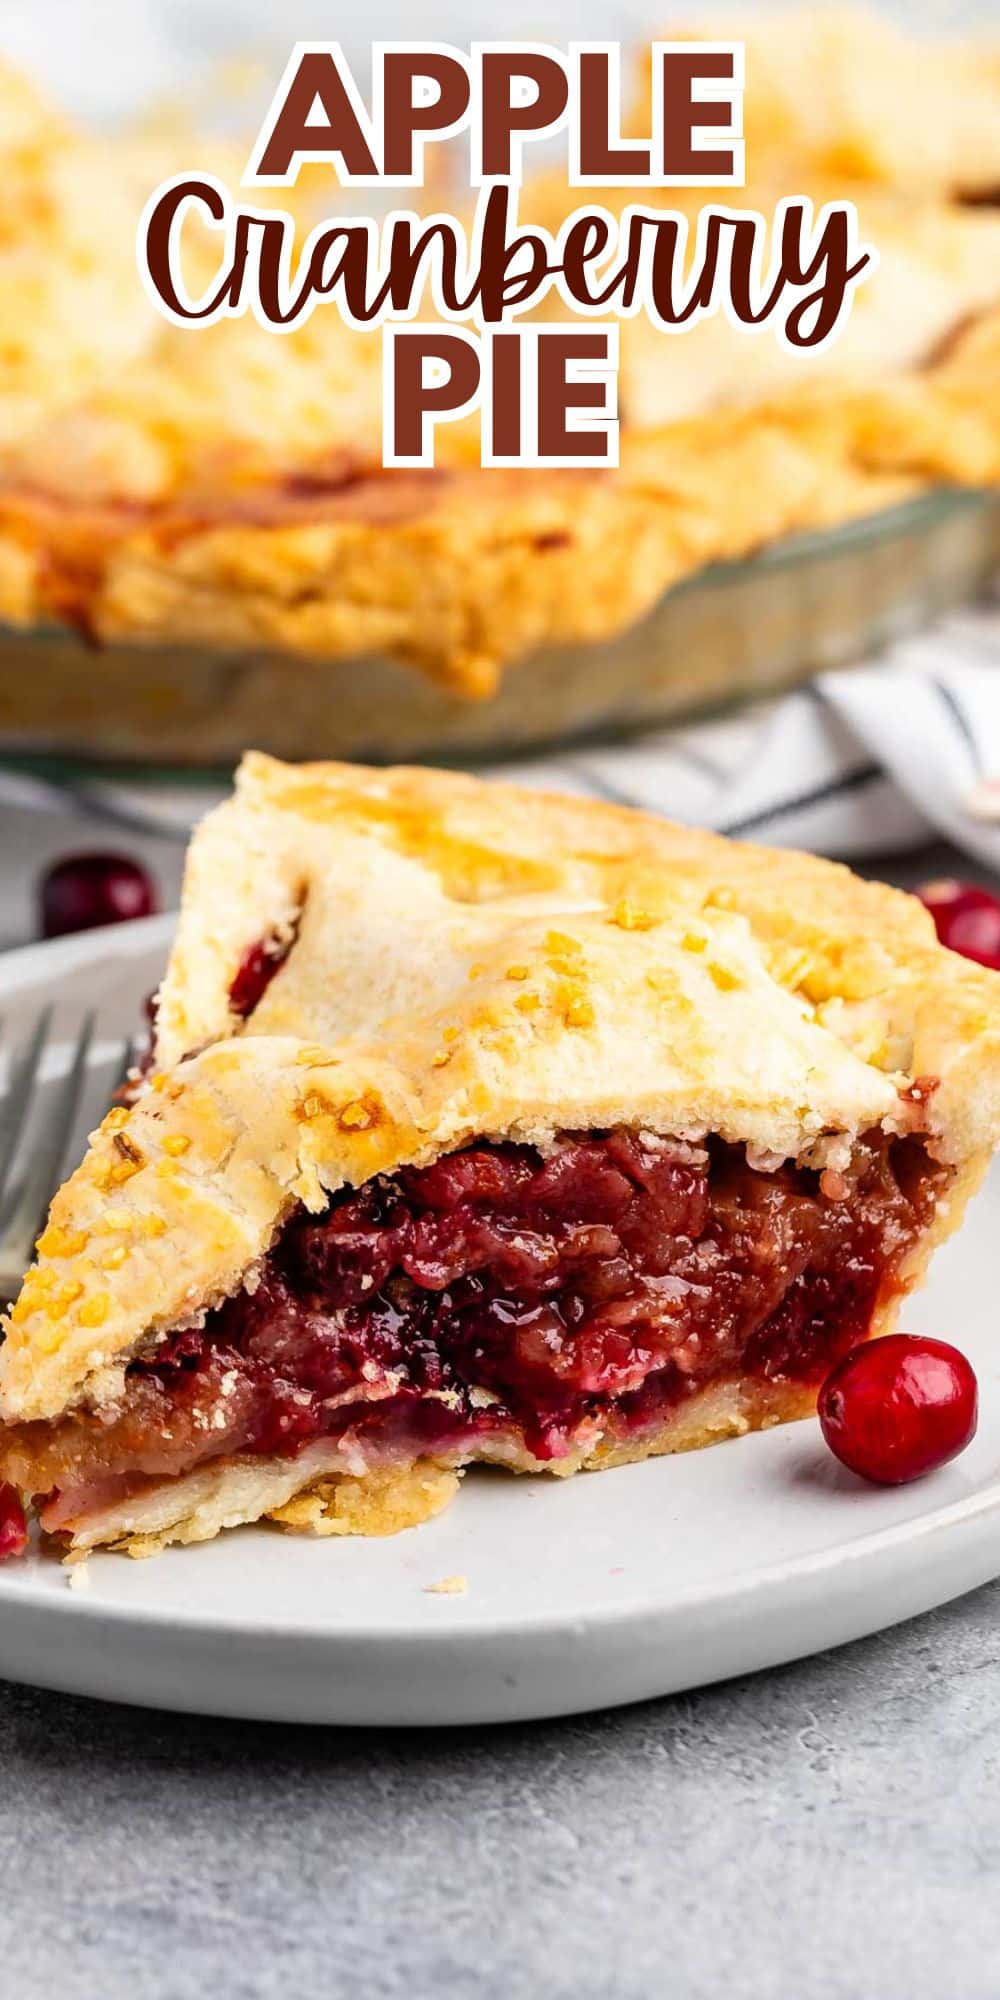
(876, 759)
(871, 761)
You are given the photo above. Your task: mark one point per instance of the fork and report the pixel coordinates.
(39, 1129)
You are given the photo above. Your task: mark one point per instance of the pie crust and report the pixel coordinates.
(222, 488)
(843, 90)
(378, 971)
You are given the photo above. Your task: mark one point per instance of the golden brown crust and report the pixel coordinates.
(469, 960)
(313, 1494)
(462, 571)
(161, 486)
(844, 90)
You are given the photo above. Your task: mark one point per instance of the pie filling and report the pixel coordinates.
(500, 1303)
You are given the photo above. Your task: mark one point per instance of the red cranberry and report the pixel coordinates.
(86, 890)
(254, 974)
(966, 918)
(13, 1526)
(894, 1409)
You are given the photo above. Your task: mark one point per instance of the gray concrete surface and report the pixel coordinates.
(827, 1832)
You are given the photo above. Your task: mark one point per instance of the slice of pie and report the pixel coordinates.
(486, 1126)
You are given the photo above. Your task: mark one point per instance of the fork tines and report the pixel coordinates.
(41, 1133)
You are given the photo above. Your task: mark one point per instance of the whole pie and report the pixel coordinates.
(485, 1126)
(222, 488)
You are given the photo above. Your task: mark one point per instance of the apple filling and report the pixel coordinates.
(504, 1298)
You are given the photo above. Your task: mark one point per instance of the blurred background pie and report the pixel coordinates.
(199, 546)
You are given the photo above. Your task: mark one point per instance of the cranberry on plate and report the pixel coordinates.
(896, 1408)
(87, 890)
(966, 918)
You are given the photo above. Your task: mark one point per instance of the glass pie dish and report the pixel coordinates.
(731, 631)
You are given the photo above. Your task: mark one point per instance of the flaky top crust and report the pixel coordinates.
(845, 90)
(472, 960)
(462, 572)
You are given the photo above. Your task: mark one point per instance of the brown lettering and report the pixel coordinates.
(501, 117)
(682, 116)
(743, 271)
(499, 285)
(831, 257)
(317, 78)
(157, 246)
(599, 159)
(402, 118)
(557, 396)
(585, 239)
(415, 397)
(505, 420)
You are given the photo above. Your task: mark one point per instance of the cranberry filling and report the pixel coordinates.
(255, 972)
(502, 1295)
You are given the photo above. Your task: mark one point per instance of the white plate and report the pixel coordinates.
(603, 1590)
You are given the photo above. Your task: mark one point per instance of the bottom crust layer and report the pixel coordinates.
(316, 1494)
